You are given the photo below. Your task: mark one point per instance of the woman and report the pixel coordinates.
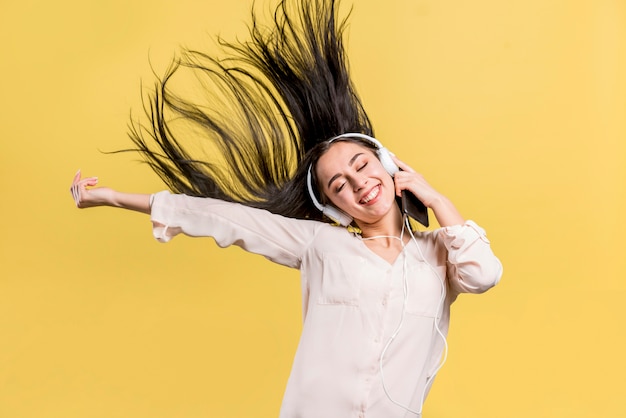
(376, 294)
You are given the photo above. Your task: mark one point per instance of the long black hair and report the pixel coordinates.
(251, 130)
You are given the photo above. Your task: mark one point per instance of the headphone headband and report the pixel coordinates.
(368, 138)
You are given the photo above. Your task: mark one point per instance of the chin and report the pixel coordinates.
(372, 218)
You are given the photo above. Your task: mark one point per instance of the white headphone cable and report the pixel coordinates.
(405, 291)
(437, 317)
(406, 225)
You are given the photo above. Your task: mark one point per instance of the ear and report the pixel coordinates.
(329, 210)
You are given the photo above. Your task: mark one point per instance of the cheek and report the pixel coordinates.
(339, 200)
(389, 184)
(343, 200)
(329, 198)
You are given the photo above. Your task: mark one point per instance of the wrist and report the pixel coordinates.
(437, 201)
(114, 199)
(445, 212)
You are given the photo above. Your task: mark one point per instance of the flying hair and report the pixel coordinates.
(262, 113)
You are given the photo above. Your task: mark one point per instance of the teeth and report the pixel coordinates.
(371, 195)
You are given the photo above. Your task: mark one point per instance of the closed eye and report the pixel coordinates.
(350, 163)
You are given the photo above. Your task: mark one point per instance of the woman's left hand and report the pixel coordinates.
(412, 181)
(408, 179)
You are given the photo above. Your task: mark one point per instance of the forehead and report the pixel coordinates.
(338, 157)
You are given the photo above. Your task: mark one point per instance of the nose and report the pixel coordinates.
(359, 182)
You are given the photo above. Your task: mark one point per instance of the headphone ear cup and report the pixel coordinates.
(337, 215)
(332, 212)
(385, 159)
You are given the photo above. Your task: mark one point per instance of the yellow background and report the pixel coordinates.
(514, 109)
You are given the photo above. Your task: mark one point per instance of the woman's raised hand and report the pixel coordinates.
(86, 195)
(408, 179)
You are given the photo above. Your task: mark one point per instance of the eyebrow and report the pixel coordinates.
(352, 160)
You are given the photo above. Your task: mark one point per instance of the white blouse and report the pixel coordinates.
(353, 301)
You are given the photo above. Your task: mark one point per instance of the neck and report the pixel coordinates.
(390, 225)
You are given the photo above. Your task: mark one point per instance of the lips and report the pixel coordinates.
(371, 195)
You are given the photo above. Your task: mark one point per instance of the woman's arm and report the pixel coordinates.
(472, 265)
(87, 196)
(282, 240)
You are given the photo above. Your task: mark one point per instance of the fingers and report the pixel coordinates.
(411, 181)
(78, 187)
(406, 178)
(403, 166)
(73, 191)
(74, 188)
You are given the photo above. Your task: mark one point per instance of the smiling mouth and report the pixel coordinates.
(371, 195)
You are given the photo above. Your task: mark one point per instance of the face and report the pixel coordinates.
(354, 180)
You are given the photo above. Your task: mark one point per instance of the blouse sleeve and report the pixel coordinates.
(472, 266)
(280, 239)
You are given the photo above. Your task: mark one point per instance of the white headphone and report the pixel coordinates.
(384, 156)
